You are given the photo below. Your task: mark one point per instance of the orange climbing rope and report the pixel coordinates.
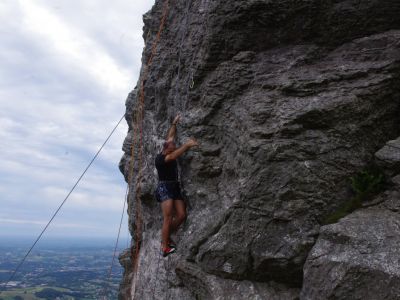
(138, 129)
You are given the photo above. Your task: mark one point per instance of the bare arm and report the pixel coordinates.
(172, 130)
(182, 149)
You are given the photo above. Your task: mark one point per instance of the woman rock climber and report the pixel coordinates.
(168, 191)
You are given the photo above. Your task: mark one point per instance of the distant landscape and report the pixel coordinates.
(59, 269)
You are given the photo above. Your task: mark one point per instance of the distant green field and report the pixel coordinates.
(58, 272)
(28, 293)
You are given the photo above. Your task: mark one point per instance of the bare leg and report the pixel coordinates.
(167, 207)
(180, 214)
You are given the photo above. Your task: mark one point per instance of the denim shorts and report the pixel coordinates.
(168, 190)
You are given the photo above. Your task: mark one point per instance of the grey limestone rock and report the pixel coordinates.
(288, 99)
(212, 287)
(389, 157)
(357, 258)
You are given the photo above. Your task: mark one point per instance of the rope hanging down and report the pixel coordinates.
(138, 129)
(137, 125)
(61, 205)
(107, 282)
(189, 85)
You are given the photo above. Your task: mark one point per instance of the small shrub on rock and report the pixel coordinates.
(364, 185)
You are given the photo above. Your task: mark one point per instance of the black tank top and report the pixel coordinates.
(167, 171)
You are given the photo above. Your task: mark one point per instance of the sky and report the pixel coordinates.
(66, 68)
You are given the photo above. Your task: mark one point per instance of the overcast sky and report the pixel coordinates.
(67, 67)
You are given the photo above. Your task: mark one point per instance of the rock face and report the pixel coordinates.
(288, 99)
(358, 258)
(389, 157)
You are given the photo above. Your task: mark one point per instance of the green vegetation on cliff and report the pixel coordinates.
(364, 185)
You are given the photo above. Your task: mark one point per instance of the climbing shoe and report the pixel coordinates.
(167, 251)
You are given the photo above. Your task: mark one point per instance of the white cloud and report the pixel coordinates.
(76, 49)
(66, 69)
(96, 192)
(44, 222)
